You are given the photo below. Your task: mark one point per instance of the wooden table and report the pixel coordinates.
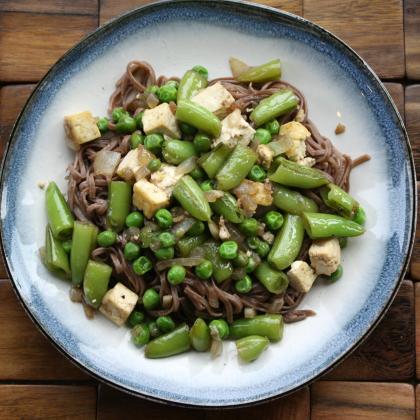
(378, 381)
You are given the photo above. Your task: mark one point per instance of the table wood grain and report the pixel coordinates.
(378, 381)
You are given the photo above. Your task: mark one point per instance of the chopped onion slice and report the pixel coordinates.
(237, 66)
(187, 166)
(214, 229)
(152, 100)
(282, 145)
(142, 172)
(106, 162)
(181, 228)
(186, 262)
(167, 301)
(76, 294)
(249, 313)
(213, 195)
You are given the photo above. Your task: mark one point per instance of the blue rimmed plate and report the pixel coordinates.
(339, 86)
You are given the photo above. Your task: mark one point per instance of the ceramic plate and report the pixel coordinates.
(173, 37)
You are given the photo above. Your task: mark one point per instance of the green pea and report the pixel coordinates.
(337, 274)
(257, 174)
(117, 113)
(187, 129)
(140, 335)
(244, 285)
(151, 299)
(172, 83)
(135, 318)
(196, 229)
(176, 274)
(134, 219)
(136, 139)
(221, 326)
(154, 330)
(67, 245)
(165, 253)
(251, 266)
(164, 218)
(261, 247)
(167, 239)
(107, 238)
(249, 227)
(165, 324)
(343, 242)
(131, 251)
(139, 120)
(360, 216)
(126, 124)
(228, 250)
(273, 127)
(207, 185)
(201, 70)
(241, 259)
(262, 135)
(154, 165)
(153, 143)
(197, 173)
(204, 270)
(102, 124)
(202, 143)
(142, 265)
(167, 93)
(273, 220)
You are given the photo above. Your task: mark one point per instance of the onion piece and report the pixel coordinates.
(152, 100)
(187, 166)
(142, 172)
(76, 294)
(249, 313)
(167, 301)
(213, 195)
(237, 66)
(281, 145)
(106, 162)
(214, 229)
(186, 262)
(181, 228)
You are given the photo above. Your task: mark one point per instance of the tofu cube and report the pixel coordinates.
(308, 162)
(325, 256)
(235, 130)
(216, 99)
(295, 133)
(81, 128)
(149, 198)
(161, 120)
(301, 276)
(265, 155)
(166, 178)
(118, 303)
(132, 162)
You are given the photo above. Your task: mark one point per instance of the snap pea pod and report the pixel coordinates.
(263, 73)
(322, 225)
(119, 204)
(227, 206)
(213, 161)
(174, 342)
(274, 106)
(236, 167)
(222, 269)
(287, 243)
(187, 244)
(199, 117)
(292, 174)
(274, 281)
(336, 198)
(250, 348)
(95, 282)
(54, 256)
(191, 198)
(190, 84)
(59, 215)
(291, 201)
(270, 326)
(200, 335)
(83, 242)
(176, 151)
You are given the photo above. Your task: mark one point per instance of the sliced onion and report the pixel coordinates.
(167, 301)
(250, 313)
(76, 294)
(216, 342)
(214, 229)
(142, 172)
(276, 306)
(282, 145)
(186, 262)
(89, 311)
(132, 234)
(152, 100)
(237, 66)
(181, 228)
(213, 195)
(106, 162)
(187, 166)
(198, 252)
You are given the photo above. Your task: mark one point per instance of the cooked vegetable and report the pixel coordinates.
(227, 206)
(59, 215)
(191, 83)
(270, 326)
(54, 256)
(342, 202)
(174, 342)
(263, 73)
(250, 348)
(119, 204)
(274, 281)
(95, 283)
(213, 161)
(200, 335)
(293, 202)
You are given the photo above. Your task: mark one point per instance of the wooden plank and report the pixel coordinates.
(396, 90)
(351, 400)
(412, 36)
(418, 402)
(31, 43)
(112, 8)
(25, 354)
(389, 352)
(80, 7)
(417, 295)
(47, 402)
(362, 23)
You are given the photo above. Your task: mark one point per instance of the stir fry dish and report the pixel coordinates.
(200, 210)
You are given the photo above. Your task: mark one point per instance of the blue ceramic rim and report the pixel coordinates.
(259, 11)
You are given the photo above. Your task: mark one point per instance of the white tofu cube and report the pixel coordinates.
(325, 256)
(161, 120)
(166, 178)
(149, 198)
(308, 161)
(133, 162)
(118, 303)
(81, 128)
(295, 133)
(301, 276)
(235, 130)
(216, 99)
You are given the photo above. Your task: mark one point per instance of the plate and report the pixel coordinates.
(174, 36)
